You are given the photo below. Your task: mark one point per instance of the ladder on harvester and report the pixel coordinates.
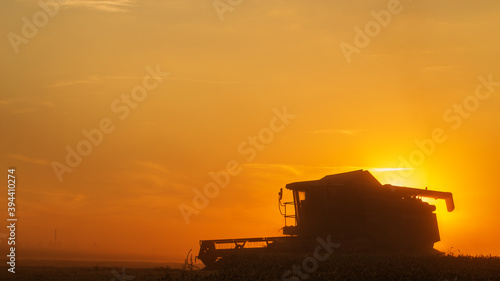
(284, 205)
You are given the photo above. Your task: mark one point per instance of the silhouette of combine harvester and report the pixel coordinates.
(355, 210)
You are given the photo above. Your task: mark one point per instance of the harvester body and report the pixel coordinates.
(355, 210)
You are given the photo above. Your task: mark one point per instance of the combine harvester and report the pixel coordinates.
(355, 210)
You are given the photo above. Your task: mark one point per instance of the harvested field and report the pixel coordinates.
(280, 267)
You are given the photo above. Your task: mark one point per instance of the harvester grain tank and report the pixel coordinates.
(352, 208)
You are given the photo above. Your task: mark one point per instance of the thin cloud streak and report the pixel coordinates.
(98, 79)
(342, 132)
(298, 170)
(302, 169)
(112, 6)
(94, 79)
(23, 105)
(444, 68)
(29, 159)
(388, 169)
(212, 82)
(151, 166)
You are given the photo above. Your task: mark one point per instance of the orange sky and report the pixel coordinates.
(229, 71)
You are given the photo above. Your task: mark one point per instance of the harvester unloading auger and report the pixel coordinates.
(355, 210)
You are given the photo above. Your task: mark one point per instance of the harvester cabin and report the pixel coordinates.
(355, 206)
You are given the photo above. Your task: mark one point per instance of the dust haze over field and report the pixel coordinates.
(137, 128)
